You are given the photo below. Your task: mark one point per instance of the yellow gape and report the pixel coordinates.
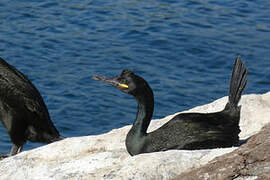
(123, 85)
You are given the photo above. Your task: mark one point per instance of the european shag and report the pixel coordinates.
(187, 131)
(23, 111)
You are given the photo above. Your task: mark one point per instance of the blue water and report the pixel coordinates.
(185, 50)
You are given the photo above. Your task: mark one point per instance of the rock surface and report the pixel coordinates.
(105, 157)
(250, 161)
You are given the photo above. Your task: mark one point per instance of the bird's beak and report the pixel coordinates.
(112, 81)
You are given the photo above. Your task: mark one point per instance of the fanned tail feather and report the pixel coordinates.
(237, 84)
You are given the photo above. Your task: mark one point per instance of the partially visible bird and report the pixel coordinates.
(23, 111)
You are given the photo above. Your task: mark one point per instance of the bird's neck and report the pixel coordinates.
(144, 113)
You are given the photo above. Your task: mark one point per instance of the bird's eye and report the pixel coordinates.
(123, 81)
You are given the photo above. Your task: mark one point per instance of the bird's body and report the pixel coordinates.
(22, 110)
(193, 130)
(186, 130)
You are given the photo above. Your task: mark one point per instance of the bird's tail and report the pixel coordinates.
(57, 139)
(237, 84)
(60, 138)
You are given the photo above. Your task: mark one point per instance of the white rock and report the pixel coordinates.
(105, 157)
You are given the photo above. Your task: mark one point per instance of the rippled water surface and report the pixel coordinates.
(185, 50)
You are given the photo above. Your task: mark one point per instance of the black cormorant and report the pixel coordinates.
(187, 131)
(23, 111)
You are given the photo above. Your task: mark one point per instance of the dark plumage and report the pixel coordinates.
(186, 130)
(23, 111)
